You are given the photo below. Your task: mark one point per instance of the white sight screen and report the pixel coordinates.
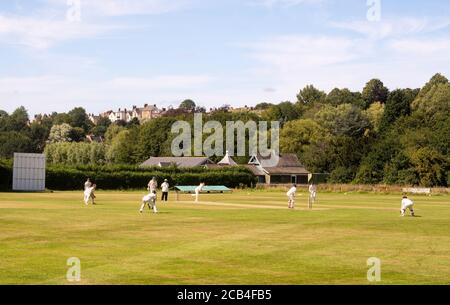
(29, 172)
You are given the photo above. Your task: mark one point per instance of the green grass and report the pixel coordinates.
(239, 238)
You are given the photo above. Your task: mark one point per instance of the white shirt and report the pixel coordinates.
(199, 188)
(165, 187)
(87, 185)
(407, 202)
(312, 188)
(292, 191)
(149, 197)
(153, 185)
(88, 191)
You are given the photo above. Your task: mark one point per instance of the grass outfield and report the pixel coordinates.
(239, 238)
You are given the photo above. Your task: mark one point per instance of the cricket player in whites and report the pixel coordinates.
(407, 204)
(291, 196)
(312, 195)
(198, 190)
(89, 194)
(152, 185)
(150, 200)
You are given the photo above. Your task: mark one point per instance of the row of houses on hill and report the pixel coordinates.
(288, 170)
(143, 114)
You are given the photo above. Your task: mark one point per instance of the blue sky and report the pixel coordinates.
(239, 52)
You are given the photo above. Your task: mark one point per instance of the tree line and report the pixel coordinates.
(373, 136)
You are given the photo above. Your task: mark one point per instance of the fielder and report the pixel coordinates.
(150, 200)
(88, 184)
(407, 204)
(291, 196)
(312, 194)
(152, 185)
(89, 194)
(198, 190)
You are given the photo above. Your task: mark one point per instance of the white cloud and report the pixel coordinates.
(294, 51)
(48, 26)
(126, 7)
(438, 47)
(163, 82)
(283, 3)
(291, 62)
(393, 27)
(42, 33)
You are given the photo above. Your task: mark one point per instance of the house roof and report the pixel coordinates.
(179, 161)
(288, 164)
(300, 170)
(227, 160)
(255, 170)
(286, 160)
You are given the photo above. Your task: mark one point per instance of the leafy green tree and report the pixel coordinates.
(79, 118)
(397, 105)
(297, 135)
(60, 133)
(263, 106)
(61, 118)
(101, 128)
(73, 153)
(4, 116)
(152, 136)
(437, 79)
(112, 131)
(431, 166)
(375, 114)
(17, 121)
(338, 97)
(123, 148)
(188, 105)
(310, 95)
(374, 91)
(283, 112)
(77, 134)
(38, 134)
(14, 141)
(434, 104)
(345, 119)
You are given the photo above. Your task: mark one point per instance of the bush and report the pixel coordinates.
(342, 175)
(75, 153)
(129, 177)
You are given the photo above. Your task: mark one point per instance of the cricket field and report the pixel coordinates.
(248, 237)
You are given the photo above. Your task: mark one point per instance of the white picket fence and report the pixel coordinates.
(417, 190)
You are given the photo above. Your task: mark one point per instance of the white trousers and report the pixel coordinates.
(291, 201)
(407, 206)
(151, 205)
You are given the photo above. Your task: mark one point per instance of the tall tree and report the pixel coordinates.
(310, 95)
(397, 105)
(338, 97)
(79, 118)
(188, 105)
(374, 91)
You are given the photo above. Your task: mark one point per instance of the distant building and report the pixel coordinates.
(94, 118)
(288, 170)
(177, 161)
(146, 113)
